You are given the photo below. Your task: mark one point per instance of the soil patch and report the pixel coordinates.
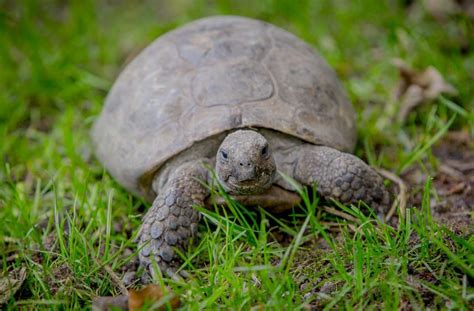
(454, 183)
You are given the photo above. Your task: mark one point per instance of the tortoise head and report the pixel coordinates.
(244, 163)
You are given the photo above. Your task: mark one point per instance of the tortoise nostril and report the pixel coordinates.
(245, 164)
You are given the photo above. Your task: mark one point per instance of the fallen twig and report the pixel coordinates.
(450, 171)
(336, 227)
(401, 199)
(461, 166)
(341, 214)
(113, 276)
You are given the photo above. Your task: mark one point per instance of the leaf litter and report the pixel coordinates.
(418, 87)
(151, 297)
(454, 182)
(11, 283)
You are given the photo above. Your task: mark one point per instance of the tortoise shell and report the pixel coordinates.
(214, 75)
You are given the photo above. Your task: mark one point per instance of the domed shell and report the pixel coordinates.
(213, 75)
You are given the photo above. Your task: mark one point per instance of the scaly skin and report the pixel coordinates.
(172, 220)
(245, 167)
(340, 176)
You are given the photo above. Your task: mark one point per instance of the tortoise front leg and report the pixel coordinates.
(340, 176)
(172, 220)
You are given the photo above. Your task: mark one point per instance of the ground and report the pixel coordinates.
(67, 228)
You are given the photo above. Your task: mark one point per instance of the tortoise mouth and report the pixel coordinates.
(248, 182)
(252, 186)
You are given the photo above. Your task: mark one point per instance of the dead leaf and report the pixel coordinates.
(467, 7)
(136, 299)
(10, 284)
(441, 9)
(416, 87)
(151, 293)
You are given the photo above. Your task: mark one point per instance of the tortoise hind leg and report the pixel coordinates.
(172, 220)
(340, 176)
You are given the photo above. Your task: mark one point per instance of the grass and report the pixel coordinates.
(57, 62)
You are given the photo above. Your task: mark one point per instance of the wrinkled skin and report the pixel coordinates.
(244, 163)
(246, 166)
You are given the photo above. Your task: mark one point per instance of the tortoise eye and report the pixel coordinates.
(224, 155)
(265, 151)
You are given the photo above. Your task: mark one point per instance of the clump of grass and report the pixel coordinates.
(393, 268)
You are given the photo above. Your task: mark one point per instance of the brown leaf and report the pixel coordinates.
(10, 284)
(150, 294)
(417, 87)
(136, 299)
(441, 9)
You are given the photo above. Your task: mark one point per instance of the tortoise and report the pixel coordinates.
(235, 94)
